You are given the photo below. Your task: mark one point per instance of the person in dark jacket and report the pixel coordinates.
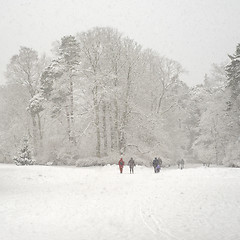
(121, 164)
(131, 165)
(182, 164)
(155, 164)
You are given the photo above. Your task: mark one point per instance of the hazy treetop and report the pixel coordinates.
(195, 33)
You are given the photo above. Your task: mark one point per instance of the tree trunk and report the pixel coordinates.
(215, 137)
(122, 140)
(116, 126)
(160, 100)
(73, 137)
(34, 134)
(39, 126)
(112, 134)
(105, 140)
(40, 130)
(68, 123)
(96, 107)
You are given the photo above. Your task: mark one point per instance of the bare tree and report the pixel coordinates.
(25, 69)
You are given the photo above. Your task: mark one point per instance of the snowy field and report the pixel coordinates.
(66, 203)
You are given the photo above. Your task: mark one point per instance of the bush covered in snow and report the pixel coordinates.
(232, 158)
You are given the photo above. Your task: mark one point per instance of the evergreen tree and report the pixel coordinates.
(24, 157)
(233, 72)
(57, 82)
(233, 106)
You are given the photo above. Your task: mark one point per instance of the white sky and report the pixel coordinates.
(196, 33)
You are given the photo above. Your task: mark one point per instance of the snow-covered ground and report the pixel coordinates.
(66, 203)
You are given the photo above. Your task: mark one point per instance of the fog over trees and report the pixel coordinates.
(103, 94)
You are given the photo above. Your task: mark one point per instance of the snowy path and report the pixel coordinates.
(58, 203)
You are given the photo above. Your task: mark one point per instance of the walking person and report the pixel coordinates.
(131, 165)
(121, 164)
(182, 163)
(156, 165)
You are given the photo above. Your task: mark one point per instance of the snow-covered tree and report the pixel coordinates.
(233, 106)
(25, 69)
(57, 82)
(24, 157)
(233, 72)
(103, 94)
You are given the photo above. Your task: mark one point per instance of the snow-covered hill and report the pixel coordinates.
(58, 203)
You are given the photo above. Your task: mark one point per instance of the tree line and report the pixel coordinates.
(101, 94)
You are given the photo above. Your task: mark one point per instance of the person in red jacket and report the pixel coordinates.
(121, 164)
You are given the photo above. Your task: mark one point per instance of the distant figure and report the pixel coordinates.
(182, 164)
(121, 164)
(156, 165)
(207, 164)
(131, 165)
(179, 163)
